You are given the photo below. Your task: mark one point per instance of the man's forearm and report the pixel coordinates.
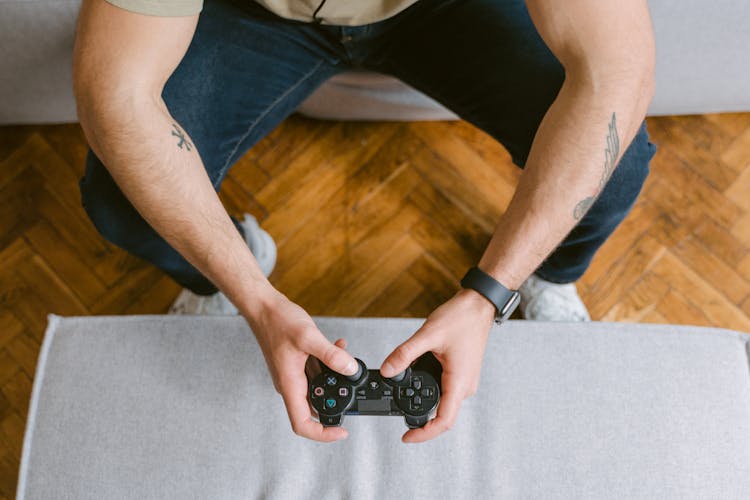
(157, 166)
(575, 151)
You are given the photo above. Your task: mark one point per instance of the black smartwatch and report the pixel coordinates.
(504, 300)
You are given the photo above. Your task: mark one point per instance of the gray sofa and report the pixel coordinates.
(702, 66)
(182, 408)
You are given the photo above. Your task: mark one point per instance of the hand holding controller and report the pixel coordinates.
(413, 393)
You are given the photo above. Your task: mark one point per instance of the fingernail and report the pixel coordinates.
(351, 368)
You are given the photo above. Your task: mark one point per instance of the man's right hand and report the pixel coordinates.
(287, 335)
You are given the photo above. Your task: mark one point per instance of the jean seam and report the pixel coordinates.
(305, 77)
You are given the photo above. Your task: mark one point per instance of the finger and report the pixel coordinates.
(294, 393)
(450, 402)
(406, 353)
(333, 356)
(340, 343)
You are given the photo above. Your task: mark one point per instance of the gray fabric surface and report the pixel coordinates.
(181, 407)
(702, 66)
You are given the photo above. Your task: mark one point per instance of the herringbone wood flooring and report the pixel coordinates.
(372, 219)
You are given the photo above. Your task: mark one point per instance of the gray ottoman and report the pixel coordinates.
(181, 407)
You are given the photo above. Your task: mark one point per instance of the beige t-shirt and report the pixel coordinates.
(339, 12)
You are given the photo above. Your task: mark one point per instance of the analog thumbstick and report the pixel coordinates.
(400, 376)
(360, 371)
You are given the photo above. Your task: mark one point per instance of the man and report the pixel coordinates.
(169, 100)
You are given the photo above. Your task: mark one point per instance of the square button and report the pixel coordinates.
(343, 391)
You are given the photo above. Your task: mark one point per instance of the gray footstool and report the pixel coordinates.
(182, 407)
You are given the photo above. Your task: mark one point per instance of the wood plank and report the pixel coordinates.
(435, 206)
(11, 433)
(378, 207)
(677, 310)
(654, 317)
(483, 206)
(739, 190)
(10, 326)
(719, 241)
(128, 290)
(155, 299)
(17, 390)
(346, 270)
(737, 155)
(294, 198)
(743, 268)
(8, 366)
(608, 290)
(741, 229)
(712, 269)
(24, 351)
(391, 301)
(354, 299)
(65, 262)
(691, 191)
(639, 301)
(638, 222)
(247, 173)
(731, 123)
(441, 245)
(690, 283)
(699, 143)
(12, 139)
(237, 201)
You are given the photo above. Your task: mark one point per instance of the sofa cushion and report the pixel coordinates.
(182, 407)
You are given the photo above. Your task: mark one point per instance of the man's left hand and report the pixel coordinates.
(456, 333)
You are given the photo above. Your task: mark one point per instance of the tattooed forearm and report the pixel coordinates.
(610, 162)
(181, 136)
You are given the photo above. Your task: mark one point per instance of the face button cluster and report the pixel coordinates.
(334, 393)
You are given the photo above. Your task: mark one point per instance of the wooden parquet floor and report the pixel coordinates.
(372, 219)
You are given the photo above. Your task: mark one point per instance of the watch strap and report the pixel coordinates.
(504, 300)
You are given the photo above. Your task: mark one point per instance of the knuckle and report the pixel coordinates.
(329, 355)
(403, 352)
(296, 429)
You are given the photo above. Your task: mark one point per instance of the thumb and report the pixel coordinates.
(333, 356)
(405, 354)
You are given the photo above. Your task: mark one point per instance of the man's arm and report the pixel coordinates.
(121, 62)
(607, 50)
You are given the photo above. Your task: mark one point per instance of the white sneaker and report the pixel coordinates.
(263, 248)
(216, 304)
(542, 300)
(261, 244)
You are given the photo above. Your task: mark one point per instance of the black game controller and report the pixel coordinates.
(413, 393)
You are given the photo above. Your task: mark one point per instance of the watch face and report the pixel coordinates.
(509, 307)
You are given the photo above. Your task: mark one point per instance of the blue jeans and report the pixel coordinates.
(246, 70)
